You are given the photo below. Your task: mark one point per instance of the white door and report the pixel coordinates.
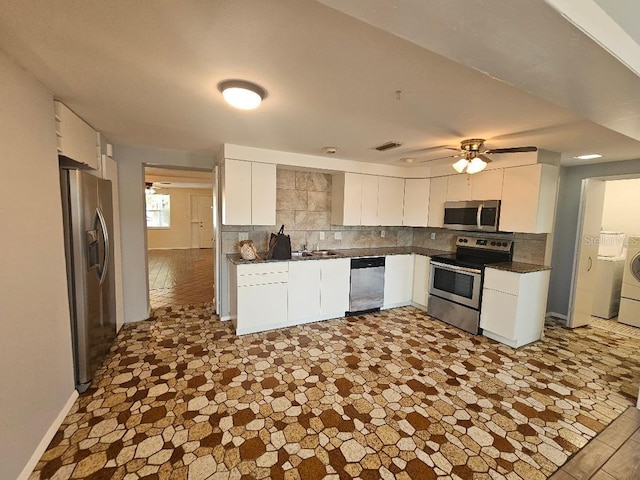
(201, 221)
(586, 253)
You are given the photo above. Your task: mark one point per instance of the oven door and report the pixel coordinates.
(455, 283)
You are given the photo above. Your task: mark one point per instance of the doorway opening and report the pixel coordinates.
(181, 237)
(605, 289)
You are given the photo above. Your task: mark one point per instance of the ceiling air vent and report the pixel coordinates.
(388, 146)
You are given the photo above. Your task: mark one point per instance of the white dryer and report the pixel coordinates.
(630, 301)
(609, 268)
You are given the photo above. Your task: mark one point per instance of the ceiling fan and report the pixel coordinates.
(472, 159)
(151, 187)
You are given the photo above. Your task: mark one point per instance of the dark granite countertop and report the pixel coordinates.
(518, 267)
(347, 253)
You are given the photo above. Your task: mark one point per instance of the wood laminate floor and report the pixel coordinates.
(180, 277)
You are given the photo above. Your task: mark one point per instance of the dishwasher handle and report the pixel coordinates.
(367, 262)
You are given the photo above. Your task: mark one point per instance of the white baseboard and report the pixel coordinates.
(175, 248)
(418, 306)
(556, 315)
(48, 436)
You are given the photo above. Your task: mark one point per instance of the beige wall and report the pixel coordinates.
(621, 212)
(179, 234)
(36, 365)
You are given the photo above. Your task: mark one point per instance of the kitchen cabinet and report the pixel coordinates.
(398, 280)
(416, 202)
(369, 213)
(76, 139)
(437, 196)
(358, 199)
(249, 193)
(346, 199)
(304, 291)
(318, 289)
(529, 198)
(459, 187)
(390, 201)
(420, 290)
(513, 306)
(335, 276)
(258, 296)
(487, 185)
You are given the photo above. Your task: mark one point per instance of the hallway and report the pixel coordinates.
(180, 277)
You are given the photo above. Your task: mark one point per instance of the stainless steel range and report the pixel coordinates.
(455, 284)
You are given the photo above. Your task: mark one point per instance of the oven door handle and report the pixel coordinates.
(479, 215)
(455, 268)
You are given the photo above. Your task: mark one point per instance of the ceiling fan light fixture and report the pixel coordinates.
(242, 94)
(476, 165)
(460, 165)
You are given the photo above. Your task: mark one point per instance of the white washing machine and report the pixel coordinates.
(630, 302)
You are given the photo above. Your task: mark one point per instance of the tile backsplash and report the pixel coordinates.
(303, 205)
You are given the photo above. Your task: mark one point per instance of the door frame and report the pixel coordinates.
(579, 233)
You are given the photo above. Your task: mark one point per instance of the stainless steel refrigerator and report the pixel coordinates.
(88, 226)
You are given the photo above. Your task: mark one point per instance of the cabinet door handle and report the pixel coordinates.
(590, 264)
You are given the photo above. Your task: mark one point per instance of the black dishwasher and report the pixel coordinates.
(367, 285)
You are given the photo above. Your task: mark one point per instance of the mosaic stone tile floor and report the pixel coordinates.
(389, 395)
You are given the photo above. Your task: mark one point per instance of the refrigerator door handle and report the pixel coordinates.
(107, 253)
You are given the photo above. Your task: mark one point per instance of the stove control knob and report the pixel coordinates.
(493, 244)
(504, 244)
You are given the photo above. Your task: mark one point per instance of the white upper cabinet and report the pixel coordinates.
(437, 197)
(249, 193)
(390, 200)
(346, 199)
(529, 198)
(459, 187)
(369, 211)
(359, 199)
(487, 185)
(76, 139)
(416, 202)
(263, 194)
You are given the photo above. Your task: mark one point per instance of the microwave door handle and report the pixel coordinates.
(479, 215)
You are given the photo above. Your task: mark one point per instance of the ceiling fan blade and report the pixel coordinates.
(440, 158)
(512, 150)
(484, 157)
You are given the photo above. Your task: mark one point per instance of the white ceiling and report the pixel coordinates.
(493, 69)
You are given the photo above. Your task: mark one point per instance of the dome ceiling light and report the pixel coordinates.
(242, 94)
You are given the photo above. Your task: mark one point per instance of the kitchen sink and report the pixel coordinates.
(314, 253)
(324, 253)
(301, 254)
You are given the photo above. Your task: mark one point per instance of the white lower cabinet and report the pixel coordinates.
(261, 301)
(318, 289)
(421, 270)
(304, 291)
(335, 276)
(269, 295)
(398, 280)
(513, 306)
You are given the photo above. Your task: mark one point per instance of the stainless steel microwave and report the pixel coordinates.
(477, 215)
